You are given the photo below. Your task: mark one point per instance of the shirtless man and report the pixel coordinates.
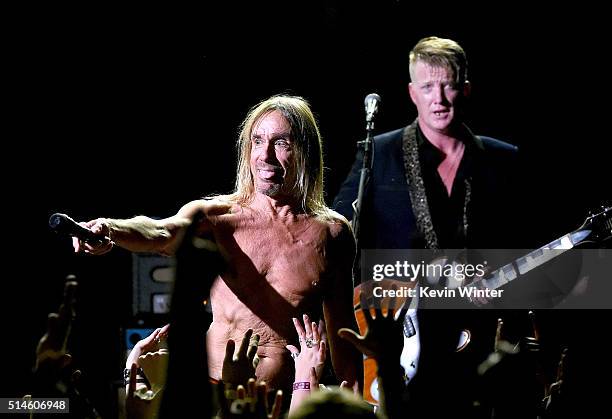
(287, 253)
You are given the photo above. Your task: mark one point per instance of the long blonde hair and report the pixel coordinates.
(308, 162)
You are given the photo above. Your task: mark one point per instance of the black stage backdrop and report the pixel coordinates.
(123, 110)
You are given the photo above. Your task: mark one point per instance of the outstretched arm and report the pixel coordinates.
(144, 234)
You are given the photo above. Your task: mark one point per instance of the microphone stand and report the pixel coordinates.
(366, 146)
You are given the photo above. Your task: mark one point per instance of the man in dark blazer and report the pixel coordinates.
(436, 185)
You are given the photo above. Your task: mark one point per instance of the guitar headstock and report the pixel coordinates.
(599, 222)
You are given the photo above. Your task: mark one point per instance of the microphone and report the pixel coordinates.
(61, 223)
(372, 101)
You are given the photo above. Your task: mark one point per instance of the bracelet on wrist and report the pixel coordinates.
(301, 385)
(140, 377)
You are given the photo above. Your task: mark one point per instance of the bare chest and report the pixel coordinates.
(449, 167)
(290, 257)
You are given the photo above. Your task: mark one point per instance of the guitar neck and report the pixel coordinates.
(532, 260)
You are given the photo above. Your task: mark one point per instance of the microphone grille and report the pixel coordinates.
(59, 222)
(372, 97)
(55, 220)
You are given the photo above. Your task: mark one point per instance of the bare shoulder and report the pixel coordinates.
(340, 244)
(337, 224)
(339, 229)
(211, 207)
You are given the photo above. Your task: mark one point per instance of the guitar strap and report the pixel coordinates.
(416, 188)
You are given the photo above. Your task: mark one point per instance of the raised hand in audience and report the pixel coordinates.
(239, 367)
(140, 403)
(151, 358)
(309, 359)
(384, 342)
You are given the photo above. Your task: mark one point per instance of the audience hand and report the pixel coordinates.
(239, 367)
(312, 353)
(249, 403)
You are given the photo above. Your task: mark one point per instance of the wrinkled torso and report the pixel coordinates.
(277, 270)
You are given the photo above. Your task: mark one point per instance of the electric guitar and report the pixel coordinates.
(595, 229)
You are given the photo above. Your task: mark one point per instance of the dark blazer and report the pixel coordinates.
(388, 221)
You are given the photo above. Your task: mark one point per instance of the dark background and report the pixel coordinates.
(119, 111)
